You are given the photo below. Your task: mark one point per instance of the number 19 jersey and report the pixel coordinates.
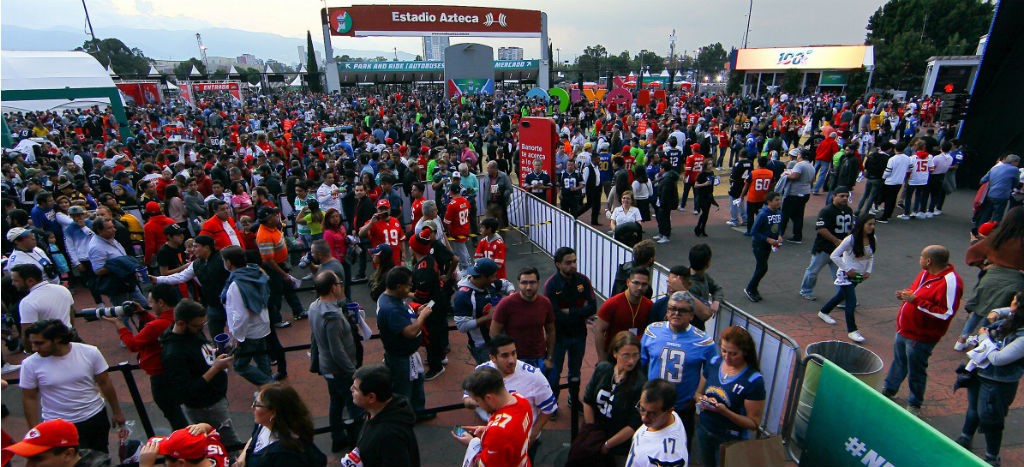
(676, 357)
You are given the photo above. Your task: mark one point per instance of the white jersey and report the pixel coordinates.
(67, 384)
(665, 447)
(528, 381)
(919, 169)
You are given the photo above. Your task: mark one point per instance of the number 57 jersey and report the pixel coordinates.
(677, 357)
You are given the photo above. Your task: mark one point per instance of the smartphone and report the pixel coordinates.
(429, 304)
(459, 430)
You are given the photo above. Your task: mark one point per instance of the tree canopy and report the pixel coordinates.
(906, 32)
(312, 67)
(182, 70)
(126, 61)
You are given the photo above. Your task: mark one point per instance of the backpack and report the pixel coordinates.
(621, 276)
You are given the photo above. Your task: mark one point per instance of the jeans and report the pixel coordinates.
(437, 329)
(94, 432)
(686, 194)
(937, 192)
(973, 321)
(872, 195)
(991, 210)
(339, 390)
(910, 361)
(821, 173)
(462, 252)
(761, 253)
(736, 211)
(165, 398)
(411, 389)
(218, 417)
(793, 209)
(665, 221)
(988, 403)
(818, 261)
(848, 294)
(920, 195)
(255, 351)
(752, 209)
(889, 195)
(216, 320)
(576, 346)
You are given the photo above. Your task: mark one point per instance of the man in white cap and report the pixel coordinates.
(26, 252)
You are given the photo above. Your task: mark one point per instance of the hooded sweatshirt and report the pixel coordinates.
(185, 358)
(389, 437)
(252, 284)
(936, 298)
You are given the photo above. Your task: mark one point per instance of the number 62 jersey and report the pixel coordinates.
(677, 357)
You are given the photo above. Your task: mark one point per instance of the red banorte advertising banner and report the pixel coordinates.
(143, 93)
(233, 87)
(537, 140)
(427, 20)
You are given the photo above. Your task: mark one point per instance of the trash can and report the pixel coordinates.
(860, 362)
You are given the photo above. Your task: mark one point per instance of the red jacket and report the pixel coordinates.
(153, 234)
(937, 297)
(214, 227)
(147, 342)
(828, 148)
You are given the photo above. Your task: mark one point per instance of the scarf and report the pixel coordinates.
(252, 284)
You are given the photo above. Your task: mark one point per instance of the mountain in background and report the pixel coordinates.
(181, 44)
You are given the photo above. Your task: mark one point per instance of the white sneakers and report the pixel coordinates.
(826, 318)
(856, 336)
(903, 217)
(960, 345)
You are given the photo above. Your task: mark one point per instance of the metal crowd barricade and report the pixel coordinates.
(598, 256)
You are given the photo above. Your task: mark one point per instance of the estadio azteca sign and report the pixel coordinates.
(430, 20)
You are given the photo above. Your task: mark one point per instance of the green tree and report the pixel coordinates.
(126, 62)
(219, 74)
(419, 58)
(591, 64)
(182, 70)
(249, 75)
(312, 67)
(906, 32)
(791, 81)
(735, 84)
(711, 59)
(650, 60)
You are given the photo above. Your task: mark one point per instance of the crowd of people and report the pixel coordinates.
(206, 220)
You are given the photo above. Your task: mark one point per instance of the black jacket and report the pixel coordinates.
(186, 357)
(668, 190)
(277, 455)
(847, 172)
(388, 439)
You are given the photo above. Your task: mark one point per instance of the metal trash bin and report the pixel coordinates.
(860, 362)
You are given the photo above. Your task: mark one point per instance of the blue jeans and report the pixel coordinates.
(910, 362)
(821, 172)
(973, 321)
(818, 261)
(736, 211)
(411, 389)
(253, 351)
(848, 294)
(710, 445)
(988, 403)
(576, 346)
(872, 195)
(991, 210)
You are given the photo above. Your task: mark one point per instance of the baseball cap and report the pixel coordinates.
(456, 174)
(173, 229)
(482, 267)
(383, 203)
(50, 434)
(986, 228)
(17, 233)
(842, 189)
(265, 213)
(695, 146)
(205, 240)
(382, 249)
(152, 207)
(422, 241)
(183, 445)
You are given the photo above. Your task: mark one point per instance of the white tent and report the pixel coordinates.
(110, 71)
(194, 73)
(297, 82)
(232, 71)
(152, 72)
(39, 80)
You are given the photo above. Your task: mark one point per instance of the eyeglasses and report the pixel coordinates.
(678, 310)
(644, 412)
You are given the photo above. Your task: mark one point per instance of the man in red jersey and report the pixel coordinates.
(456, 221)
(492, 245)
(506, 438)
(694, 165)
(382, 228)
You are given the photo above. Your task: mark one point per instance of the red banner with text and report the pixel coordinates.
(427, 20)
(537, 140)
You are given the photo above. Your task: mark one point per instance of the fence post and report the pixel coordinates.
(140, 407)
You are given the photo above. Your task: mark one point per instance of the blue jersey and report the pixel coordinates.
(605, 167)
(676, 357)
(733, 392)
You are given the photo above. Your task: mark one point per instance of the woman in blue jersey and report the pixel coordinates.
(731, 394)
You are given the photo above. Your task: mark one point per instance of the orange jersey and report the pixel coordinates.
(507, 437)
(760, 184)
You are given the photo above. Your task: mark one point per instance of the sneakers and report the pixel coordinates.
(731, 223)
(929, 215)
(903, 217)
(662, 240)
(960, 345)
(808, 297)
(795, 240)
(301, 316)
(8, 368)
(752, 296)
(444, 361)
(937, 212)
(921, 215)
(282, 324)
(304, 262)
(889, 394)
(682, 209)
(964, 441)
(433, 374)
(882, 221)
(826, 318)
(657, 237)
(914, 410)
(695, 212)
(856, 336)
(359, 280)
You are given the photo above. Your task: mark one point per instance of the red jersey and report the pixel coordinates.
(495, 250)
(694, 165)
(691, 118)
(417, 211)
(390, 232)
(456, 219)
(507, 436)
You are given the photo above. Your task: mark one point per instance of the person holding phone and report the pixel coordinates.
(401, 329)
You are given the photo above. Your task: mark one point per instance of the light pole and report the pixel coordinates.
(746, 35)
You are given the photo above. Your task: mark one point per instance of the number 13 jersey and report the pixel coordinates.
(677, 357)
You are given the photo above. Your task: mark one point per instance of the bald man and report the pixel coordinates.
(924, 316)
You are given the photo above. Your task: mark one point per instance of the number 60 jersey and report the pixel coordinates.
(677, 357)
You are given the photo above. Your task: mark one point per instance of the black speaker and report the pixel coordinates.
(991, 128)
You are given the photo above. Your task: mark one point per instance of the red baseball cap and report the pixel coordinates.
(986, 228)
(183, 445)
(383, 203)
(695, 146)
(422, 242)
(152, 207)
(45, 436)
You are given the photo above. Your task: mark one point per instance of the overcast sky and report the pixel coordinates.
(572, 24)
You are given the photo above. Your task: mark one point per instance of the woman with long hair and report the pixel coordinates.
(175, 205)
(383, 261)
(241, 202)
(732, 394)
(283, 435)
(855, 258)
(990, 395)
(612, 393)
(642, 191)
(337, 240)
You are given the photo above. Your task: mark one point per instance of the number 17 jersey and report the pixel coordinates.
(675, 357)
